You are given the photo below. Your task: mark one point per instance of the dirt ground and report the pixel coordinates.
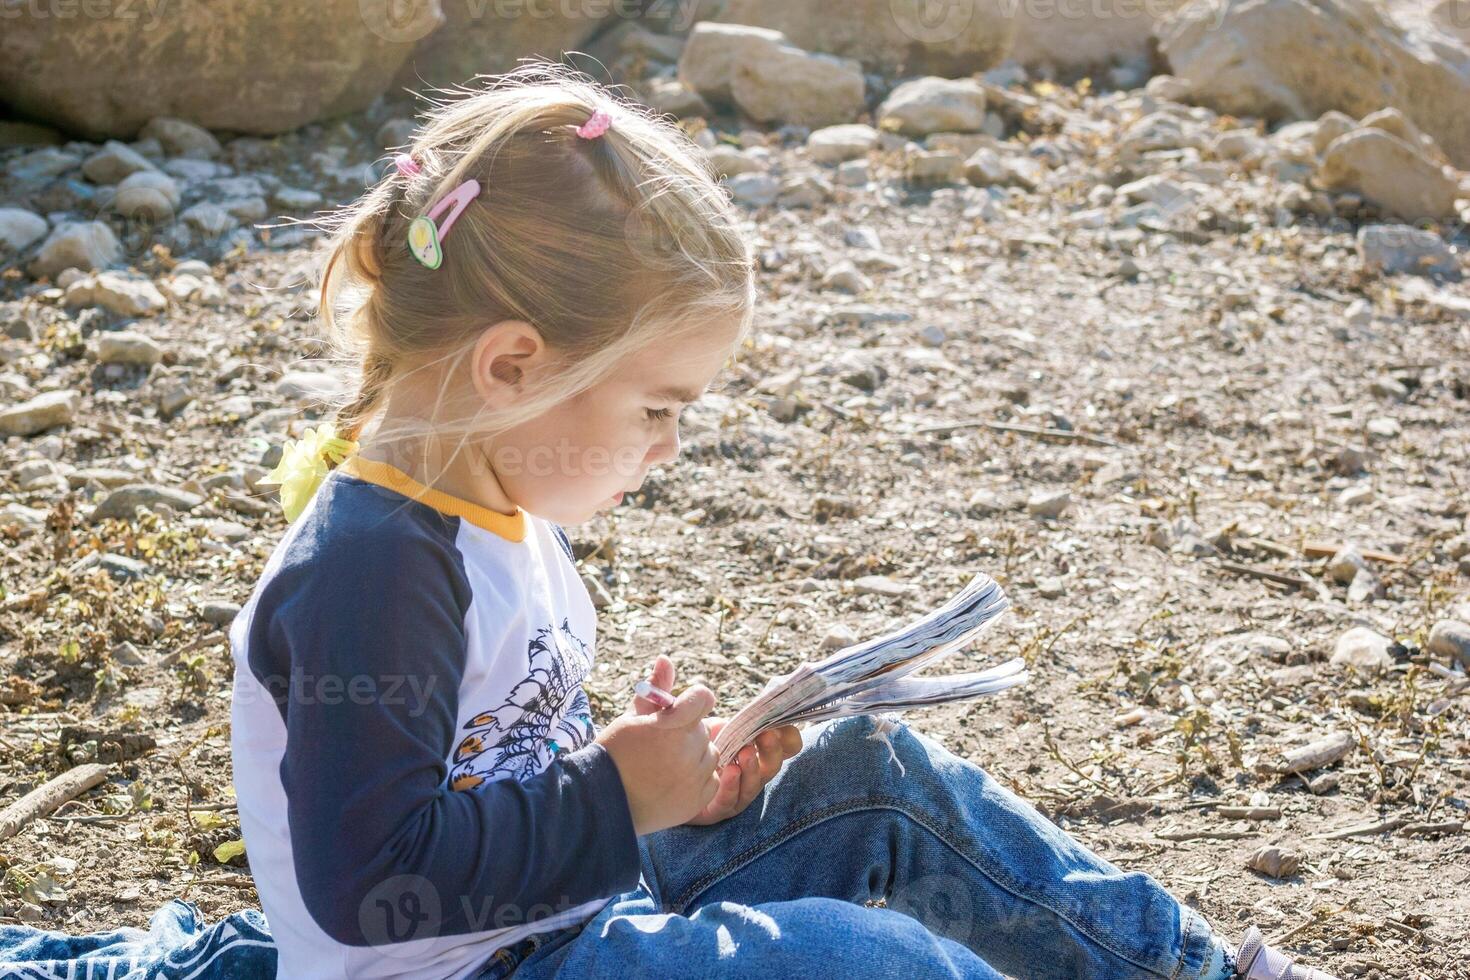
(1203, 395)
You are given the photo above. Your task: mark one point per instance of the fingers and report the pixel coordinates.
(772, 755)
(688, 708)
(752, 776)
(663, 672)
(790, 740)
(662, 676)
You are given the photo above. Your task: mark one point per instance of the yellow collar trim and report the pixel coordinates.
(512, 527)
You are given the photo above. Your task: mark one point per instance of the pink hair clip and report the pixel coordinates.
(425, 239)
(597, 124)
(406, 164)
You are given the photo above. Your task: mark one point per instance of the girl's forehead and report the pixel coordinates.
(689, 361)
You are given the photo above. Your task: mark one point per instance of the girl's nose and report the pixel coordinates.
(665, 450)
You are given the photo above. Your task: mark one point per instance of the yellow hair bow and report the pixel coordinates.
(303, 466)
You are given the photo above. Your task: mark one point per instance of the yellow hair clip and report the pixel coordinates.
(303, 466)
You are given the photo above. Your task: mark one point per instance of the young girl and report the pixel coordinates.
(535, 292)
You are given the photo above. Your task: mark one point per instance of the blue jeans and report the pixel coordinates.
(976, 882)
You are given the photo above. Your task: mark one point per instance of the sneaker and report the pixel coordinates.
(1257, 961)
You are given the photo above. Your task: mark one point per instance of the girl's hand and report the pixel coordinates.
(755, 765)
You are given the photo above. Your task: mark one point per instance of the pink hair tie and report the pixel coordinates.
(406, 164)
(597, 124)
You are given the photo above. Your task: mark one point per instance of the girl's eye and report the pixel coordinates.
(659, 414)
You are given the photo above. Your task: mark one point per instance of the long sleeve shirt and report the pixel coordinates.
(414, 762)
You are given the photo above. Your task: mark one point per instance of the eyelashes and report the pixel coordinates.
(659, 414)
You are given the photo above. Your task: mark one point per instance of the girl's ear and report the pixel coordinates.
(503, 357)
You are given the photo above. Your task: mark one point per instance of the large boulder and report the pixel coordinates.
(707, 64)
(785, 84)
(1296, 59)
(1077, 37)
(1391, 173)
(897, 36)
(475, 41)
(263, 67)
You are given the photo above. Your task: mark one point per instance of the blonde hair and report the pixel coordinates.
(604, 245)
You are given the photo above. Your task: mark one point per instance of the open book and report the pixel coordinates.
(874, 676)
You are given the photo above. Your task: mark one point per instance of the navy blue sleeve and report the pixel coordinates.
(371, 629)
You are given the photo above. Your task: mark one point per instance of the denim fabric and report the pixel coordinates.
(976, 881)
(175, 945)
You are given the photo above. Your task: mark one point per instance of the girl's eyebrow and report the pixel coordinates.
(677, 393)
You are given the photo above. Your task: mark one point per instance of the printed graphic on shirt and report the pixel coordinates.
(549, 711)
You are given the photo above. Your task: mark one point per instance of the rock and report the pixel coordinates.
(19, 229)
(245, 68)
(1358, 493)
(673, 96)
(708, 62)
(1253, 646)
(837, 637)
(173, 395)
(218, 612)
(84, 245)
(1274, 862)
(838, 144)
(27, 520)
(754, 189)
(1253, 58)
(854, 173)
(1364, 586)
(116, 292)
(1048, 504)
(1167, 88)
(891, 36)
(1390, 249)
(296, 199)
(1359, 314)
(933, 105)
(784, 84)
(43, 412)
(127, 347)
(1072, 38)
(730, 162)
(924, 167)
(1391, 174)
(803, 191)
(128, 655)
(113, 162)
(879, 585)
(1345, 565)
(479, 38)
(147, 195)
(845, 277)
(985, 168)
(122, 502)
(1450, 638)
(1363, 649)
(1387, 386)
(208, 218)
(1383, 429)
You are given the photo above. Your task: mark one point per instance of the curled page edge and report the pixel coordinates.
(871, 664)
